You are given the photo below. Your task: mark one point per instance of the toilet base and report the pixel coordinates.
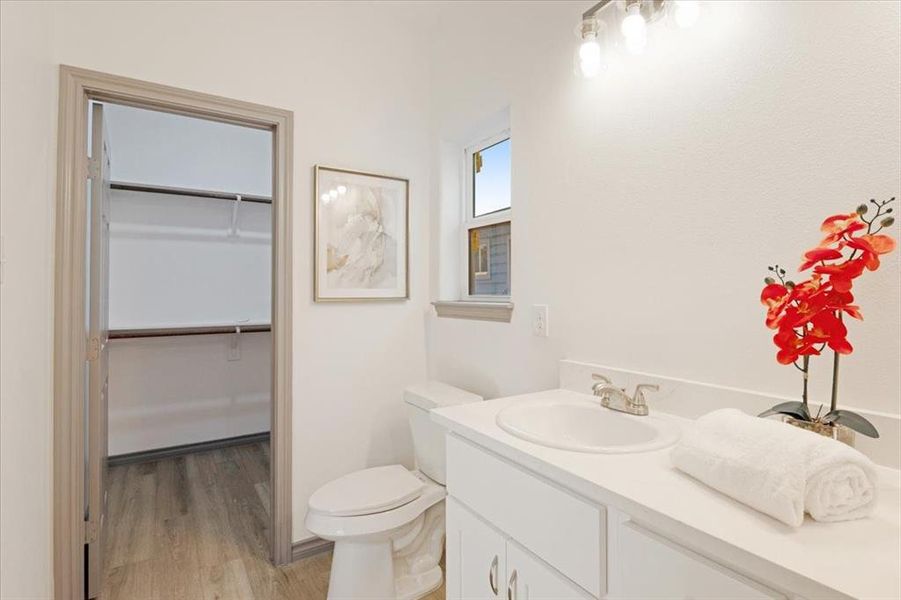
(403, 567)
(362, 570)
(413, 587)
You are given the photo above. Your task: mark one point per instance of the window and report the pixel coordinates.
(488, 209)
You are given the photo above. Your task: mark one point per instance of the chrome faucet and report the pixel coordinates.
(616, 398)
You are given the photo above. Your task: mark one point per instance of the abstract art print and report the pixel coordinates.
(361, 228)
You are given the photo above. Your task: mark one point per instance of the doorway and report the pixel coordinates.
(82, 514)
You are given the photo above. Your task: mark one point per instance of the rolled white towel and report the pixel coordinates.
(778, 469)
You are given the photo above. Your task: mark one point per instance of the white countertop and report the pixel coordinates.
(860, 559)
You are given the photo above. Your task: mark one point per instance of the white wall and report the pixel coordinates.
(356, 77)
(174, 261)
(166, 149)
(182, 390)
(648, 204)
(27, 157)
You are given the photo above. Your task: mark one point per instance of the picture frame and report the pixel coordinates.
(361, 231)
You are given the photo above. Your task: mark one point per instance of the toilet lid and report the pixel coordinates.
(366, 492)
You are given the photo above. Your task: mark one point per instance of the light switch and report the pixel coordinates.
(539, 320)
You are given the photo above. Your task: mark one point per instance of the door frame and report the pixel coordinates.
(77, 87)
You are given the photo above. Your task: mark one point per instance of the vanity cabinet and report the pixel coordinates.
(482, 563)
(512, 535)
(564, 531)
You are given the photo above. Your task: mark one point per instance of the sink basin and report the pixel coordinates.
(584, 426)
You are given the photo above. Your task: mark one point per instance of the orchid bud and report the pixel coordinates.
(888, 221)
(769, 280)
(862, 209)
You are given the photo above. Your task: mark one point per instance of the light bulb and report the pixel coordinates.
(590, 58)
(333, 193)
(342, 189)
(635, 30)
(325, 198)
(687, 13)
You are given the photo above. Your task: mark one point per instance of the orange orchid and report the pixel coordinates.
(807, 316)
(842, 275)
(819, 254)
(871, 246)
(837, 226)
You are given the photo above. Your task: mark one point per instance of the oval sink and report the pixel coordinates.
(584, 426)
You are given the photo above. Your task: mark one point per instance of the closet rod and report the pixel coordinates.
(177, 191)
(122, 334)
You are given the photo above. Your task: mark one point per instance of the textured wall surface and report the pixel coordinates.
(648, 203)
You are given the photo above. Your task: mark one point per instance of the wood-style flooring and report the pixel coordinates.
(196, 527)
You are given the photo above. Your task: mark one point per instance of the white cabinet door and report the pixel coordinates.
(528, 578)
(566, 531)
(475, 556)
(651, 567)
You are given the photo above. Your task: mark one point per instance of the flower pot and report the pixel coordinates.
(837, 432)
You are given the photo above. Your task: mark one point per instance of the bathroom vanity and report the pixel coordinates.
(526, 521)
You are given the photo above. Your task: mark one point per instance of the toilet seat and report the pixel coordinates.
(379, 524)
(367, 492)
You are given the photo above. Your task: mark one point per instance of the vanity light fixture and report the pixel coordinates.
(634, 28)
(590, 57)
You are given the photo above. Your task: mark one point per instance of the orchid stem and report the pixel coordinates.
(834, 402)
(806, 368)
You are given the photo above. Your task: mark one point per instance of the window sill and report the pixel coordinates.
(474, 310)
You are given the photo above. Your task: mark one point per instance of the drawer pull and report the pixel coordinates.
(492, 576)
(511, 586)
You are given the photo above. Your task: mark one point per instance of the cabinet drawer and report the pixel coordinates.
(650, 566)
(566, 532)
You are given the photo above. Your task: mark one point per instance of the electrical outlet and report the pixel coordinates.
(539, 320)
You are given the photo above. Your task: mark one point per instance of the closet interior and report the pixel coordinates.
(189, 351)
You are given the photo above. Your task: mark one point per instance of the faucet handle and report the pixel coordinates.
(638, 398)
(601, 382)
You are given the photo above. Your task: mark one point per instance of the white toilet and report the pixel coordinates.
(388, 522)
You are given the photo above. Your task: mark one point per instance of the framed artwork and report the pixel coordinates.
(361, 232)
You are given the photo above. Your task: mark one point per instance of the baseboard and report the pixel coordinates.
(309, 547)
(171, 451)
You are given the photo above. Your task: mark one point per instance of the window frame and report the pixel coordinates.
(470, 221)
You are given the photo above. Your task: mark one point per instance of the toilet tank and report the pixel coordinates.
(428, 436)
